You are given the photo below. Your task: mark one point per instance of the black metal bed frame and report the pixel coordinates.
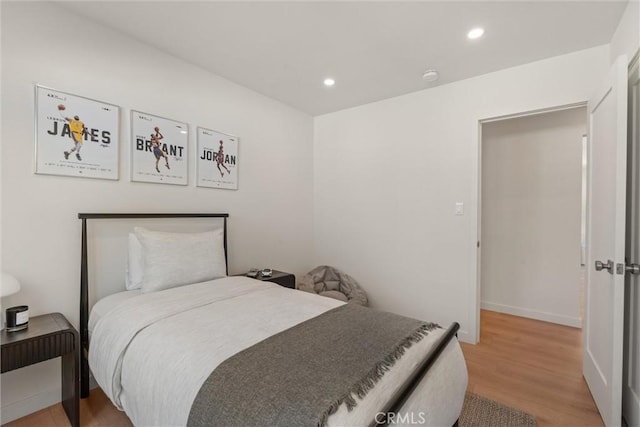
(84, 276)
(394, 404)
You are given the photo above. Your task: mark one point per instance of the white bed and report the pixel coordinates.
(152, 349)
(151, 352)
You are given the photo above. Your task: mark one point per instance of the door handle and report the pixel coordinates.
(632, 268)
(605, 266)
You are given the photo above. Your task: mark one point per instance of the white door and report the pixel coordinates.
(631, 378)
(604, 306)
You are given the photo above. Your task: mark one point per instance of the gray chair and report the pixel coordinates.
(333, 283)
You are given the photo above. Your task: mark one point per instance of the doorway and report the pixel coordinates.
(532, 215)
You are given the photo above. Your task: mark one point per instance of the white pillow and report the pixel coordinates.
(133, 279)
(177, 259)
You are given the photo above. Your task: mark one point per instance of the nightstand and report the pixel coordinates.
(287, 280)
(48, 336)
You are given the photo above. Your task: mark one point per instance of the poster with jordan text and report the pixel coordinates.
(217, 160)
(159, 149)
(76, 136)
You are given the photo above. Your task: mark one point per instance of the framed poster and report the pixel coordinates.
(217, 160)
(76, 136)
(159, 149)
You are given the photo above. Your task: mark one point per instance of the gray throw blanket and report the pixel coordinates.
(302, 375)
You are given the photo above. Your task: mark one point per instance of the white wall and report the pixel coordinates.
(270, 215)
(626, 39)
(531, 215)
(387, 176)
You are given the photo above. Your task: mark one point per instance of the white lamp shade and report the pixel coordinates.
(9, 285)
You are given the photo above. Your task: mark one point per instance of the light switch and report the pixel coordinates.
(459, 208)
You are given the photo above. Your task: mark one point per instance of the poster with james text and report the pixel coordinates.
(76, 136)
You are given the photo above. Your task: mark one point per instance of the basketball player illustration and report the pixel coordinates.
(220, 160)
(157, 151)
(77, 133)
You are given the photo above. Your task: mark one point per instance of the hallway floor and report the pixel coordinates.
(533, 366)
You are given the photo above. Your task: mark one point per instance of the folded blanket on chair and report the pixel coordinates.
(302, 375)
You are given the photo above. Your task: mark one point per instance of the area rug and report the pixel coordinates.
(479, 411)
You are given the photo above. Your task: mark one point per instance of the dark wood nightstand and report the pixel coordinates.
(48, 336)
(287, 280)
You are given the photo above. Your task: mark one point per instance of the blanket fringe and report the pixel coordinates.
(363, 387)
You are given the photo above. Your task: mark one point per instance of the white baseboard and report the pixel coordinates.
(29, 405)
(575, 322)
(465, 336)
(34, 403)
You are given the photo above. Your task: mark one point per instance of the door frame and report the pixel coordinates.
(478, 225)
(629, 408)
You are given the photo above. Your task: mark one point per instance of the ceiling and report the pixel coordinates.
(373, 50)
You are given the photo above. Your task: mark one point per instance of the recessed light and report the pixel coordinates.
(476, 33)
(430, 76)
(329, 82)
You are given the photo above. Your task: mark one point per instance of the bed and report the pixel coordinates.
(246, 352)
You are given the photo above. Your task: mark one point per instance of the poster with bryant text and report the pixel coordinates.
(217, 160)
(76, 136)
(159, 149)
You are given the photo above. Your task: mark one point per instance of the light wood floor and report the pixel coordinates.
(95, 411)
(530, 365)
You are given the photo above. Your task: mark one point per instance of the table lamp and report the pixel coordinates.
(8, 286)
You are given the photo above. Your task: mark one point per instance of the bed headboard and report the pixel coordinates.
(107, 244)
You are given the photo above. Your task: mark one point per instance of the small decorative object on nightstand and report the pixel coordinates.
(48, 336)
(287, 280)
(17, 318)
(266, 272)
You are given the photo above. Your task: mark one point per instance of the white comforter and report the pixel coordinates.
(151, 353)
